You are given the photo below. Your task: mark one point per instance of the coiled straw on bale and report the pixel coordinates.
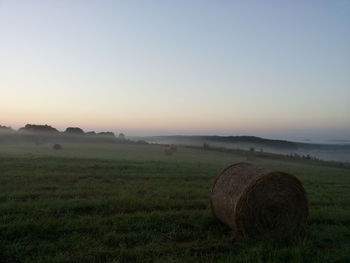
(259, 203)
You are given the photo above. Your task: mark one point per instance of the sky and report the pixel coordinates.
(277, 69)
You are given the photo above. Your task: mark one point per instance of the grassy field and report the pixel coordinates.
(132, 203)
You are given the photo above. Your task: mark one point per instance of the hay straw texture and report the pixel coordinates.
(259, 203)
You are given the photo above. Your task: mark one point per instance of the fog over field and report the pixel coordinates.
(41, 134)
(339, 152)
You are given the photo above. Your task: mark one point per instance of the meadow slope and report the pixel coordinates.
(132, 203)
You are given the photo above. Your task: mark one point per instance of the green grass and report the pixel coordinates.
(131, 203)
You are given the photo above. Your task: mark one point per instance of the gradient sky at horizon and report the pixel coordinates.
(278, 69)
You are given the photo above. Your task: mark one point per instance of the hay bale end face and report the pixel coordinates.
(259, 203)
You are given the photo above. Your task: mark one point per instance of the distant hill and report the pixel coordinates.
(252, 139)
(248, 141)
(74, 131)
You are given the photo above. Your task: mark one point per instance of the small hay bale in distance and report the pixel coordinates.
(173, 148)
(258, 203)
(169, 150)
(57, 147)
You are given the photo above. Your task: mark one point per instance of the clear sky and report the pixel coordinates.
(267, 68)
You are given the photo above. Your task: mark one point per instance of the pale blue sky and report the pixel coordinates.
(267, 68)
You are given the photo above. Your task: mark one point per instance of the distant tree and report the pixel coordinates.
(121, 136)
(74, 130)
(91, 133)
(38, 128)
(5, 127)
(106, 134)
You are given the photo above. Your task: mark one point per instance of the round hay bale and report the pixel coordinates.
(57, 147)
(168, 151)
(259, 203)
